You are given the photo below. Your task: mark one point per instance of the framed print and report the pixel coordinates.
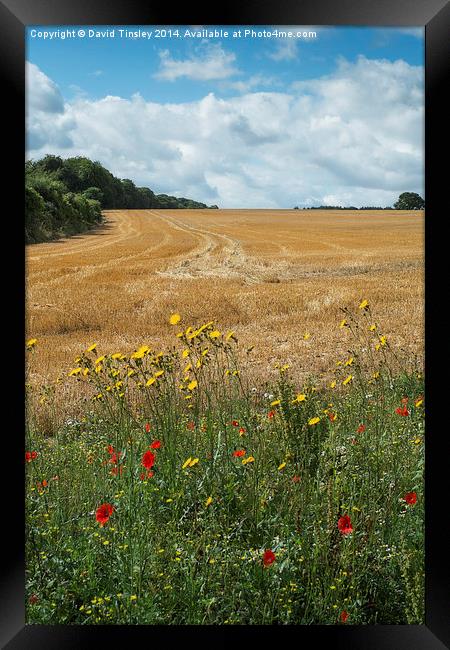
(233, 398)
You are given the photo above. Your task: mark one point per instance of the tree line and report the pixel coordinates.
(406, 201)
(66, 196)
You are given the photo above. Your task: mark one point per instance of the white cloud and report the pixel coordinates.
(354, 137)
(212, 63)
(417, 32)
(42, 93)
(286, 50)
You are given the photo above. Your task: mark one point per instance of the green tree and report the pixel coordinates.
(409, 201)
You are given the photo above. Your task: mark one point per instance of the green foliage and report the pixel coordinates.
(51, 210)
(56, 181)
(409, 201)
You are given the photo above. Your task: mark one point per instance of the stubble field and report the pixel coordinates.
(272, 276)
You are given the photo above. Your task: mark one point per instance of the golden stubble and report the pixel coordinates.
(269, 275)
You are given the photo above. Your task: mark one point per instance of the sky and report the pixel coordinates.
(258, 120)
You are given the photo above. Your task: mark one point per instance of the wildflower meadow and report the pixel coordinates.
(185, 493)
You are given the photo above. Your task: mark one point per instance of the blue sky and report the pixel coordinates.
(243, 82)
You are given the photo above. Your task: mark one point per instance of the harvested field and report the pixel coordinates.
(269, 275)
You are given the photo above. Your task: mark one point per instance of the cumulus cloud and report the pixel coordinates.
(48, 123)
(41, 92)
(211, 63)
(354, 137)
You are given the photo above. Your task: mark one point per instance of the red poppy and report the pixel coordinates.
(147, 427)
(238, 453)
(404, 400)
(268, 557)
(410, 498)
(242, 430)
(33, 599)
(361, 428)
(103, 513)
(156, 444)
(117, 470)
(190, 426)
(30, 455)
(235, 423)
(271, 414)
(148, 459)
(147, 474)
(344, 616)
(296, 479)
(110, 449)
(332, 416)
(345, 525)
(44, 483)
(402, 411)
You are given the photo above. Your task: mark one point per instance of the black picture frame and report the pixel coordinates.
(434, 15)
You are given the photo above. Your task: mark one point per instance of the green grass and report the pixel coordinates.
(186, 546)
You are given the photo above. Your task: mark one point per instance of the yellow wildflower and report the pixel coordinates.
(193, 384)
(314, 420)
(275, 402)
(139, 354)
(282, 466)
(208, 502)
(92, 347)
(364, 304)
(214, 335)
(250, 459)
(174, 319)
(347, 380)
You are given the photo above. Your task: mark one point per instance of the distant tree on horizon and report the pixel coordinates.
(409, 201)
